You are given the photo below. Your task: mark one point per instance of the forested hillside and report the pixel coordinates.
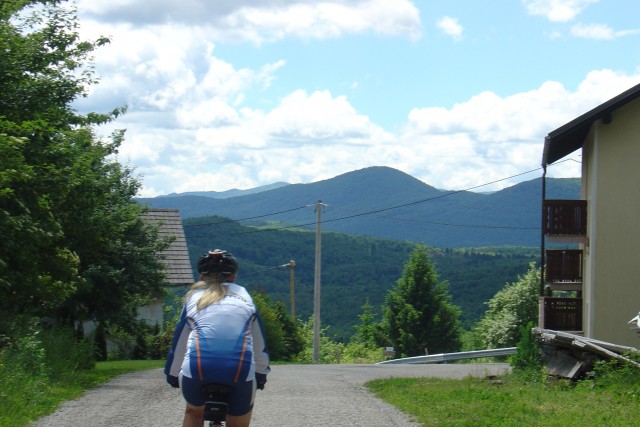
(387, 203)
(354, 268)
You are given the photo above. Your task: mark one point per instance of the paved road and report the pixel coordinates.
(295, 396)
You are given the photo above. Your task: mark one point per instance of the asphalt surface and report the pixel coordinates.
(295, 396)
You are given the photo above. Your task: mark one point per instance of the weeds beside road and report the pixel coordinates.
(24, 398)
(515, 400)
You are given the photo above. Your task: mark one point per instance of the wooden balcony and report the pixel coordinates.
(561, 314)
(563, 269)
(565, 220)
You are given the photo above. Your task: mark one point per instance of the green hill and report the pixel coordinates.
(385, 203)
(354, 268)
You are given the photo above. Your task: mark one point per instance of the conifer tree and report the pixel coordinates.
(418, 313)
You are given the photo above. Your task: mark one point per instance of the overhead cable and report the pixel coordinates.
(451, 193)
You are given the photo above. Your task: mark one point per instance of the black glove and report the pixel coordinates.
(173, 381)
(261, 380)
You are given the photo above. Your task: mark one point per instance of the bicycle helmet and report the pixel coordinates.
(218, 261)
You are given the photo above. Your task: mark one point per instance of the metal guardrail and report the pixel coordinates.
(448, 357)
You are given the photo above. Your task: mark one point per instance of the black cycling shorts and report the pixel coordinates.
(240, 400)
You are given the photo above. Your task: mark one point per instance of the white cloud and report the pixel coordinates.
(599, 32)
(308, 137)
(450, 26)
(266, 20)
(593, 31)
(489, 137)
(190, 126)
(319, 118)
(557, 10)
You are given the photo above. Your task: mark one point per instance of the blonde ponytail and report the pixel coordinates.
(214, 290)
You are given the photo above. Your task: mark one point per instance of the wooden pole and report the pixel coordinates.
(292, 288)
(316, 286)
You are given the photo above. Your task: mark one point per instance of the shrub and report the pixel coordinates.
(120, 343)
(356, 352)
(65, 353)
(31, 358)
(617, 375)
(22, 376)
(527, 363)
(329, 351)
(514, 305)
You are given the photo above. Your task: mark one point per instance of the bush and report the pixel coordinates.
(140, 341)
(527, 363)
(329, 351)
(284, 335)
(616, 375)
(356, 352)
(27, 354)
(514, 305)
(31, 358)
(120, 343)
(65, 353)
(22, 376)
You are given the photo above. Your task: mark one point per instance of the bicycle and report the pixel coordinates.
(216, 404)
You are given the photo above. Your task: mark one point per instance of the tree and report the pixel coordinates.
(513, 306)
(73, 245)
(418, 314)
(368, 331)
(284, 336)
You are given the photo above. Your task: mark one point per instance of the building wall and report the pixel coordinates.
(587, 188)
(152, 314)
(612, 289)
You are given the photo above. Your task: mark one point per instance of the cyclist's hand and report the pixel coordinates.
(261, 380)
(173, 381)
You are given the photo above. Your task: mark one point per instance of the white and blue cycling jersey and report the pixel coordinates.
(222, 343)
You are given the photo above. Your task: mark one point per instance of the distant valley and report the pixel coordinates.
(371, 221)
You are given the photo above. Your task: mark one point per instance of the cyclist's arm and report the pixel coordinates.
(260, 350)
(178, 346)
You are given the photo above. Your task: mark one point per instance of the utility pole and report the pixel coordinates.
(316, 286)
(292, 288)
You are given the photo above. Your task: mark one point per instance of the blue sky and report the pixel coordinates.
(242, 93)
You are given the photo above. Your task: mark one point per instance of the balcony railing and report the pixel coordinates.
(563, 270)
(561, 314)
(563, 221)
(564, 217)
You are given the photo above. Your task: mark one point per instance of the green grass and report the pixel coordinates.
(509, 402)
(24, 400)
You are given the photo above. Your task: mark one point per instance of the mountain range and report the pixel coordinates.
(386, 203)
(229, 193)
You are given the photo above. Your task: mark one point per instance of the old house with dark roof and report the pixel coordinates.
(176, 258)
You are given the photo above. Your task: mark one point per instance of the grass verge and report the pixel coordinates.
(26, 400)
(508, 402)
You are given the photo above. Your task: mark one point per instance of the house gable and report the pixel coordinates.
(571, 136)
(176, 256)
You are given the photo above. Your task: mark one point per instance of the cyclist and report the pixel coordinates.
(219, 339)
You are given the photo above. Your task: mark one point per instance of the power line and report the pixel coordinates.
(451, 193)
(245, 219)
(259, 230)
(260, 270)
(429, 199)
(421, 221)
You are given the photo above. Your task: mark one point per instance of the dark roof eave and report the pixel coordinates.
(571, 136)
